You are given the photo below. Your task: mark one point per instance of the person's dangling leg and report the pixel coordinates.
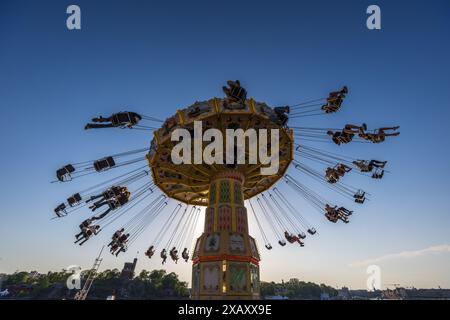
(389, 128)
(92, 198)
(78, 240)
(391, 134)
(82, 242)
(101, 119)
(102, 215)
(79, 235)
(352, 129)
(378, 164)
(98, 204)
(98, 126)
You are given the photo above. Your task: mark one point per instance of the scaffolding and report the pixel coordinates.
(82, 294)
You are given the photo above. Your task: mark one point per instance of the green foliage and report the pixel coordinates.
(295, 289)
(147, 285)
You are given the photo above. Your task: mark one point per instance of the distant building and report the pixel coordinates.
(324, 296)
(128, 270)
(343, 294)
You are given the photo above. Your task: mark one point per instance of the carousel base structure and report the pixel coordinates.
(226, 258)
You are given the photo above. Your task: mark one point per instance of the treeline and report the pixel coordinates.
(155, 284)
(295, 289)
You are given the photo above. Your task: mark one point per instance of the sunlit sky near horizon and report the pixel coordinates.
(154, 57)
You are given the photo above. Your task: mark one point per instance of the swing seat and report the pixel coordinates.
(359, 195)
(282, 243)
(268, 246)
(104, 164)
(59, 209)
(63, 174)
(281, 110)
(74, 200)
(302, 235)
(125, 118)
(312, 231)
(238, 93)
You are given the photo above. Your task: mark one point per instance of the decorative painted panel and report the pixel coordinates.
(224, 216)
(224, 196)
(238, 277)
(254, 278)
(211, 277)
(212, 243)
(209, 219)
(237, 243)
(241, 219)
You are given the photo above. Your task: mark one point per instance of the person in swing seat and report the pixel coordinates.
(121, 119)
(185, 254)
(108, 194)
(163, 256)
(116, 236)
(334, 100)
(380, 134)
(87, 233)
(113, 204)
(150, 252)
(174, 254)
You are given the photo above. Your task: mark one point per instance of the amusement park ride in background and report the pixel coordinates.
(225, 257)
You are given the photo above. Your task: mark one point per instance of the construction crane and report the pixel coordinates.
(82, 294)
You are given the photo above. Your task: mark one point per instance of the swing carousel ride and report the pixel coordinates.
(170, 196)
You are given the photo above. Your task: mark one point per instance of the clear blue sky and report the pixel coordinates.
(154, 57)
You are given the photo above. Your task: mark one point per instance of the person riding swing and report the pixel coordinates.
(125, 119)
(113, 204)
(87, 233)
(235, 95)
(185, 254)
(121, 244)
(85, 224)
(174, 254)
(331, 213)
(334, 100)
(340, 137)
(116, 236)
(368, 166)
(292, 238)
(163, 256)
(342, 169)
(380, 134)
(108, 194)
(150, 252)
(331, 175)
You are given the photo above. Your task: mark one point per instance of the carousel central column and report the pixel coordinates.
(226, 258)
